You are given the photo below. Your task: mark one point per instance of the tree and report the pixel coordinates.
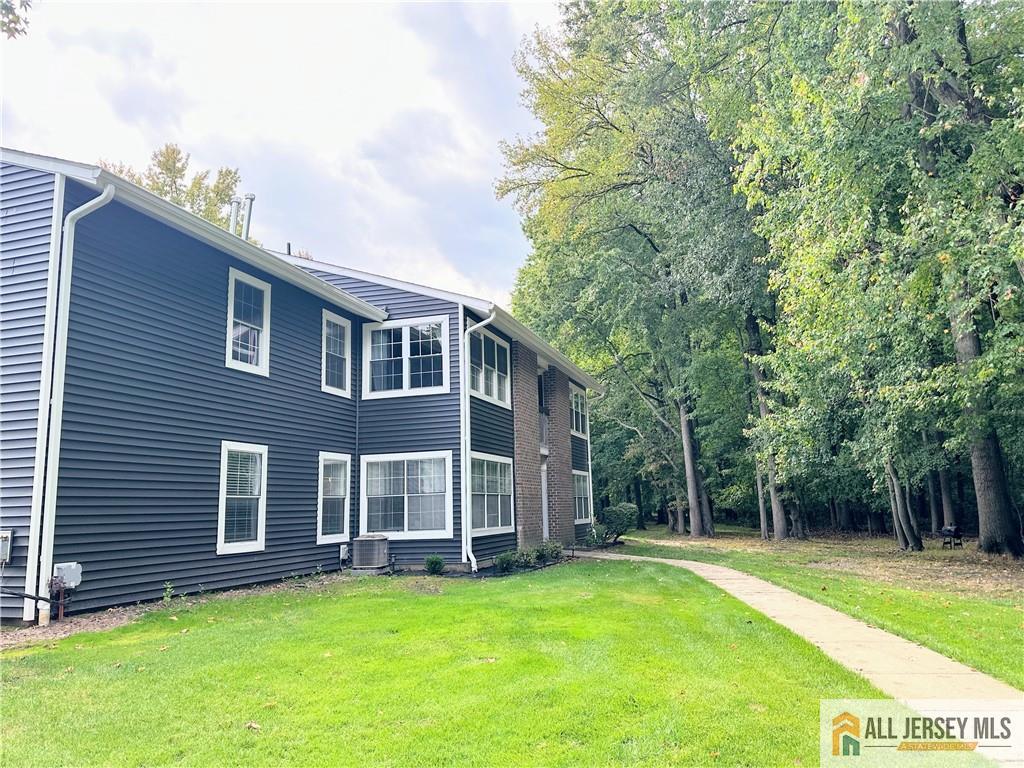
(14, 17)
(167, 175)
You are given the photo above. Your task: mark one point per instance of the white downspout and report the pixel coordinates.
(467, 461)
(57, 392)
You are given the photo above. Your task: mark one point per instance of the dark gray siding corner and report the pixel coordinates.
(580, 454)
(26, 218)
(416, 423)
(148, 401)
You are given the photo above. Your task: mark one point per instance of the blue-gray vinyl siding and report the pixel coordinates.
(149, 399)
(580, 453)
(491, 427)
(489, 546)
(413, 423)
(26, 215)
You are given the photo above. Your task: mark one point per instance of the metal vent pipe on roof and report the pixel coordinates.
(236, 201)
(247, 210)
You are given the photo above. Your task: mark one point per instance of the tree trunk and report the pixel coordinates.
(903, 513)
(707, 519)
(845, 516)
(638, 497)
(946, 495)
(897, 529)
(998, 528)
(911, 512)
(692, 489)
(762, 513)
(933, 504)
(833, 515)
(754, 349)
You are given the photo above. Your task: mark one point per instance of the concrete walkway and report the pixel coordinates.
(898, 667)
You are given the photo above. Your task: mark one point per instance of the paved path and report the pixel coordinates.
(898, 667)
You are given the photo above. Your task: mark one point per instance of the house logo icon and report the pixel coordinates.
(845, 735)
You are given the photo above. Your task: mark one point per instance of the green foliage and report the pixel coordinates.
(434, 564)
(548, 552)
(506, 562)
(14, 17)
(597, 536)
(168, 592)
(618, 519)
(167, 175)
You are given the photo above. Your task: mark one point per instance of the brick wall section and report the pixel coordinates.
(525, 409)
(560, 502)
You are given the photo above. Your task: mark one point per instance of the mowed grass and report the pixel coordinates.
(591, 663)
(974, 613)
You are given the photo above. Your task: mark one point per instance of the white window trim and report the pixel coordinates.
(573, 389)
(405, 391)
(332, 538)
(590, 498)
(508, 386)
(512, 478)
(263, 369)
(347, 325)
(408, 535)
(235, 547)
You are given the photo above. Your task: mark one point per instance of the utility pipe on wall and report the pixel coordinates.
(467, 442)
(60, 355)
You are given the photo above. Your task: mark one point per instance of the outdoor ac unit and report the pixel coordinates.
(370, 552)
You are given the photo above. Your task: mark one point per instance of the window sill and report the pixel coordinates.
(482, 532)
(487, 399)
(395, 393)
(240, 547)
(336, 392)
(588, 521)
(410, 535)
(259, 370)
(574, 433)
(332, 538)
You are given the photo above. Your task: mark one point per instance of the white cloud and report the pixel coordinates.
(232, 83)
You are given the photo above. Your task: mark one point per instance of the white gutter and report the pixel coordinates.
(467, 441)
(45, 382)
(60, 355)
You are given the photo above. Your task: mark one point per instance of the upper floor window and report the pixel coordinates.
(407, 495)
(491, 493)
(248, 340)
(580, 425)
(336, 355)
(406, 357)
(242, 513)
(489, 367)
(332, 498)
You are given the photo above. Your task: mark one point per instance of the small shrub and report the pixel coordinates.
(525, 558)
(597, 536)
(434, 564)
(548, 552)
(618, 519)
(168, 592)
(506, 562)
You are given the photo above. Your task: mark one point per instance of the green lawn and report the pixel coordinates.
(962, 604)
(581, 664)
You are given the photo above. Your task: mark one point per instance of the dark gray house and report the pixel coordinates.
(179, 405)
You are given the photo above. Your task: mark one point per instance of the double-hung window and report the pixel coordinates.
(491, 494)
(578, 400)
(489, 368)
(336, 354)
(332, 498)
(242, 513)
(248, 337)
(581, 496)
(407, 495)
(406, 357)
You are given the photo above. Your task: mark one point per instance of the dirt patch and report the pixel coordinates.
(97, 621)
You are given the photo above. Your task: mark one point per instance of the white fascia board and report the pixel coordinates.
(180, 219)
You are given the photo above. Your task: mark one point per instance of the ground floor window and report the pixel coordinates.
(491, 493)
(581, 496)
(332, 498)
(242, 513)
(408, 495)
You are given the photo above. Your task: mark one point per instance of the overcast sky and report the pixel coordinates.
(369, 134)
